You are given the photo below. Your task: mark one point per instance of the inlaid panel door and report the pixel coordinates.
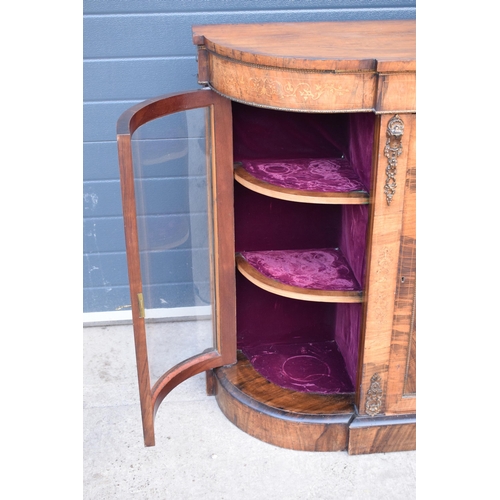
(387, 376)
(401, 382)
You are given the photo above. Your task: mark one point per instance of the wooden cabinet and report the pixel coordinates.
(309, 177)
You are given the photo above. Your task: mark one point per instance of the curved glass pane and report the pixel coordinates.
(172, 167)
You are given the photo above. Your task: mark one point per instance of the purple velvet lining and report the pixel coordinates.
(307, 174)
(322, 269)
(309, 367)
(353, 245)
(361, 131)
(353, 238)
(347, 333)
(269, 133)
(266, 318)
(263, 223)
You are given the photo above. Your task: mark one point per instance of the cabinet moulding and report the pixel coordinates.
(281, 108)
(286, 69)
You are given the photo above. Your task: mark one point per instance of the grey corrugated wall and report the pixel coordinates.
(137, 49)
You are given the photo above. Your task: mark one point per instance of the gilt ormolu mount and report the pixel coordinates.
(393, 149)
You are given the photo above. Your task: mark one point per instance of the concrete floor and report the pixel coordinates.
(198, 452)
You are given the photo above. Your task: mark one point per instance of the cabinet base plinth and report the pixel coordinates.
(382, 434)
(281, 417)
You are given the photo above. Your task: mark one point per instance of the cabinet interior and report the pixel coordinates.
(304, 345)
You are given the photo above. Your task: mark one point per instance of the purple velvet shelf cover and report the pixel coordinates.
(311, 367)
(318, 269)
(333, 175)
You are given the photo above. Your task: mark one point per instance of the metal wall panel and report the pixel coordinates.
(135, 50)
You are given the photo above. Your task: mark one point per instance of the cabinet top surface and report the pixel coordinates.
(322, 46)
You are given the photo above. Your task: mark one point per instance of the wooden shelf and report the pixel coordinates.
(334, 288)
(307, 367)
(248, 174)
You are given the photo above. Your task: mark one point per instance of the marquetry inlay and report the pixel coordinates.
(291, 88)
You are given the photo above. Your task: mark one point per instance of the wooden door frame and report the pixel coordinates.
(224, 352)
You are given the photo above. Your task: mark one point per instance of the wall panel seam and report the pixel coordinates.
(250, 11)
(136, 58)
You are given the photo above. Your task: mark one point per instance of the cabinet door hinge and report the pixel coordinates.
(140, 299)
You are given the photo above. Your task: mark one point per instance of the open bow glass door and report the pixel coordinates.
(175, 155)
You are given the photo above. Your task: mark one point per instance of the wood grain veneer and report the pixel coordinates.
(382, 273)
(285, 418)
(382, 434)
(324, 46)
(401, 382)
(322, 67)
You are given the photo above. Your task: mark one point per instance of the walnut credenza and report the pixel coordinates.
(308, 172)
